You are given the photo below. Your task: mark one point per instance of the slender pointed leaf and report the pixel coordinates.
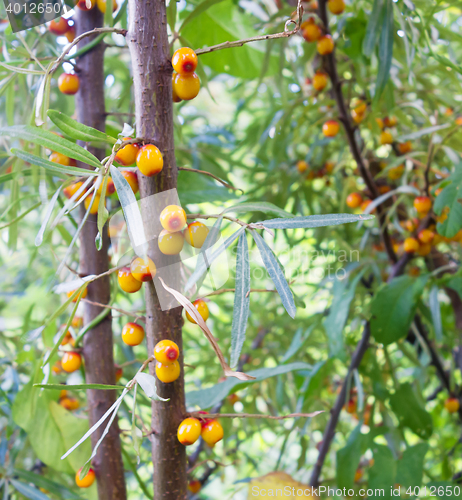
(314, 221)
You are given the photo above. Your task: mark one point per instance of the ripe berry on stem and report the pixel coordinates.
(143, 269)
(68, 83)
(302, 166)
(189, 431)
(132, 179)
(195, 234)
(390, 121)
(92, 202)
(336, 6)
(426, 236)
(62, 159)
(59, 27)
(187, 86)
(166, 351)
(404, 147)
(184, 61)
(194, 486)
(202, 309)
(127, 281)
(354, 200)
(167, 372)
(320, 80)
(132, 334)
(452, 405)
(411, 245)
(386, 138)
(331, 128)
(81, 295)
(422, 204)
(101, 4)
(311, 32)
(127, 155)
(149, 160)
(86, 481)
(70, 190)
(212, 432)
(325, 45)
(173, 218)
(69, 404)
(170, 243)
(71, 362)
(110, 187)
(86, 4)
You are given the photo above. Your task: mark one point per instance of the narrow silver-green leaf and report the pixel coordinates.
(276, 274)
(81, 387)
(385, 49)
(373, 31)
(258, 206)
(46, 218)
(24, 71)
(309, 221)
(28, 490)
(77, 130)
(435, 312)
(51, 141)
(241, 299)
(422, 132)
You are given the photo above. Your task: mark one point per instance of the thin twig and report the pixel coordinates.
(198, 414)
(204, 172)
(107, 306)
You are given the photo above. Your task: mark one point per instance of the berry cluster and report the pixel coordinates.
(185, 82)
(191, 429)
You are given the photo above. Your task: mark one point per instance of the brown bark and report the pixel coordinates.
(152, 75)
(98, 342)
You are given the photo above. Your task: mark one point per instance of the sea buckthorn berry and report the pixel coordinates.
(110, 187)
(365, 204)
(194, 486)
(336, 6)
(311, 32)
(132, 334)
(57, 368)
(68, 339)
(410, 225)
(422, 204)
(350, 407)
(424, 249)
(395, 173)
(302, 166)
(202, 309)
(319, 80)
(354, 200)
(62, 394)
(71, 362)
(184, 61)
(143, 270)
(452, 405)
(70, 34)
(70, 190)
(170, 243)
(168, 372)
(331, 128)
(132, 179)
(195, 234)
(173, 218)
(149, 160)
(411, 245)
(175, 97)
(68, 83)
(426, 236)
(127, 155)
(384, 189)
(58, 27)
(87, 480)
(212, 432)
(101, 4)
(166, 351)
(325, 45)
(361, 107)
(92, 202)
(329, 166)
(357, 117)
(380, 123)
(186, 87)
(390, 121)
(386, 138)
(189, 431)
(404, 147)
(81, 295)
(86, 4)
(127, 282)
(118, 373)
(77, 322)
(233, 398)
(62, 160)
(358, 475)
(459, 120)
(70, 404)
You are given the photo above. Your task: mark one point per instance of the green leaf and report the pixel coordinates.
(42, 482)
(24, 71)
(257, 206)
(435, 312)
(456, 284)
(450, 197)
(78, 131)
(195, 188)
(421, 132)
(373, 29)
(348, 458)
(382, 474)
(410, 413)
(171, 15)
(201, 7)
(393, 308)
(276, 274)
(410, 467)
(385, 48)
(297, 342)
(29, 491)
(205, 398)
(51, 141)
(241, 299)
(80, 387)
(314, 221)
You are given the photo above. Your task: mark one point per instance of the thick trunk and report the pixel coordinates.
(98, 343)
(152, 75)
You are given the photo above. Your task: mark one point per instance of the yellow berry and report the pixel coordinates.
(149, 160)
(101, 4)
(202, 309)
(173, 218)
(166, 351)
(62, 160)
(87, 480)
(70, 190)
(422, 204)
(354, 200)
(170, 243)
(212, 432)
(167, 372)
(452, 405)
(81, 295)
(132, 179)
(325, 45)
(71, 362)
(143, 270)
(411, 245)
(386, 138)
(68, 83)
(132, 334)
(189, 431)
(395, 173)
(319, 80)
(331, 128)
(70, 404)
(336, 6)
(184, 61)
(94, 201)
(426, 236)
(302, 166)
(195, 234)
(127, 282)
(194, 486)
(127, 155)
(187, 86)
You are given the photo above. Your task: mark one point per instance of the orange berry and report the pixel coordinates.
(175, 97)
(354, 200)
(351, 406)
(85, 4)
(336, 6)
(380, 123)
(189, 431)
(173, 218)
(386, 138)
(411, 245)
(127, 282)
(311, 32)
(110, 187)
(452, 405)
(395, 173)
(411, 225)
(71, 361)
(77, 322)
(70, 404)
(365, 204)
(184, 61)
(70, 190)
(358, 475)
(384, 189)
(329, 167)
(424, 249)
(132, 334)
(390, 121)
(57, 368)
(118, 373)
(143, 270)
(87, 480)
(127, 155)
(187, 86)
(459, 120)
(212, 432)
(170, 243)
(132, 179)
(331, 128)
(302, 166)
(166, 351)
(202, 309)
(149, 160)
(448, 112)
(357, 117)
(68, 83)
(94, 202)
(81, 295)
(404, 147)
(422, 204)
(70, 34)
(167, 372)
(62, 160)
(68, 339)
(195, 234)
(414, 271)
(58, 27)
(426, 236)
(233, 398)
(325, 45)
(320, 80)
(101, 4)
(194, 486)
